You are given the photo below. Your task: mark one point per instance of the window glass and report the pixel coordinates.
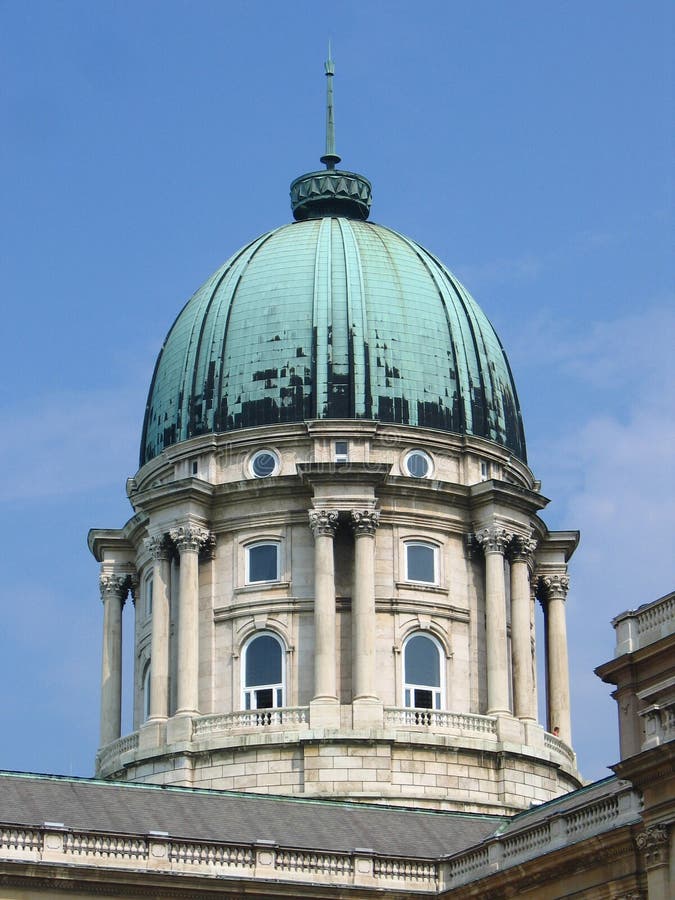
(420, 563)
(146, 692)
(264, 463)
(263, 673)
(263, 562)
(422, 664)
(422, 687)
(418, 464)
(263, 661)
(148, 596)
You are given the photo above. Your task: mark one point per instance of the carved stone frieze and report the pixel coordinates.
(190, 537)
(365, 521)
(555, 586)
(494, 539)
(323, 521)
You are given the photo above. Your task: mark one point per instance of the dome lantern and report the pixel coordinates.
(331, 192)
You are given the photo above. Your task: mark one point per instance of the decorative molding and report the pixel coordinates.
(323, 522)
(190, 537)
(365, 521)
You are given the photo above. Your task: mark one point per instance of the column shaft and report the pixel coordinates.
(556, 658)
(159, 641)
(323, 524)
(188, 539)
(113, 592)
(494, 541)
(363, 605)
(524, 700)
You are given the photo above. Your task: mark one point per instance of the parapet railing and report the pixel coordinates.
(108, 757)
(160, 854)
(499, 852)
(457, 723)
(268, 719)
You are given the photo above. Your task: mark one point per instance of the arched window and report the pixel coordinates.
(146, 692)
(263, 672)
(423, 680)
(147, 585)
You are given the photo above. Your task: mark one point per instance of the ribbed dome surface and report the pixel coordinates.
(331, 318)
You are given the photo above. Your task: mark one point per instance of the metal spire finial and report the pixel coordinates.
(330, 157)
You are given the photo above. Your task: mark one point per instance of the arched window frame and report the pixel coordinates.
(430, 545)
(439, 694)
(249, 698)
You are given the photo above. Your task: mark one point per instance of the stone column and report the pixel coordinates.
(556, 587)
(189, 539)
(494, 541)
(524, 699)
(114, 590)
(323, 523)
(364, 523)
(160, 551)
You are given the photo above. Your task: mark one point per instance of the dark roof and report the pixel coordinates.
(225, 816)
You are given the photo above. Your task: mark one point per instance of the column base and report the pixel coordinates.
(179, 729)
(324, 712)
(152, 734)
(509, 730)
(534, 734)
(367, 712)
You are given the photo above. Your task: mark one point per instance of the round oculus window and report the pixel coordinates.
(264, 463)
(418, 464)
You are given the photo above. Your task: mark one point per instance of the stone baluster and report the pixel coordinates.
(160, 550)
(114, 590)
(323, 523)
(364, 523)
(494, 541)
(189, 539)
(521, 552)
(556, 587)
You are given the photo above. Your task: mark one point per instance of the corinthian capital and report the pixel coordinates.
(494, 539)
(653, 842)
(116, 584)
(190, 537)
(521, 549)
(323, 521)
(365, 521)
(556, 586)
(158, 546)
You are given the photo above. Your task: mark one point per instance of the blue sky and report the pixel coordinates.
(527, 144)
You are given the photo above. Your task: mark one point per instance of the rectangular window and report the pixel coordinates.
(195, 468)
(341, 451)
(262, 563)
(484, 471)
(420, 563)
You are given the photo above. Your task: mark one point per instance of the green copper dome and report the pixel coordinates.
(331, 318)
